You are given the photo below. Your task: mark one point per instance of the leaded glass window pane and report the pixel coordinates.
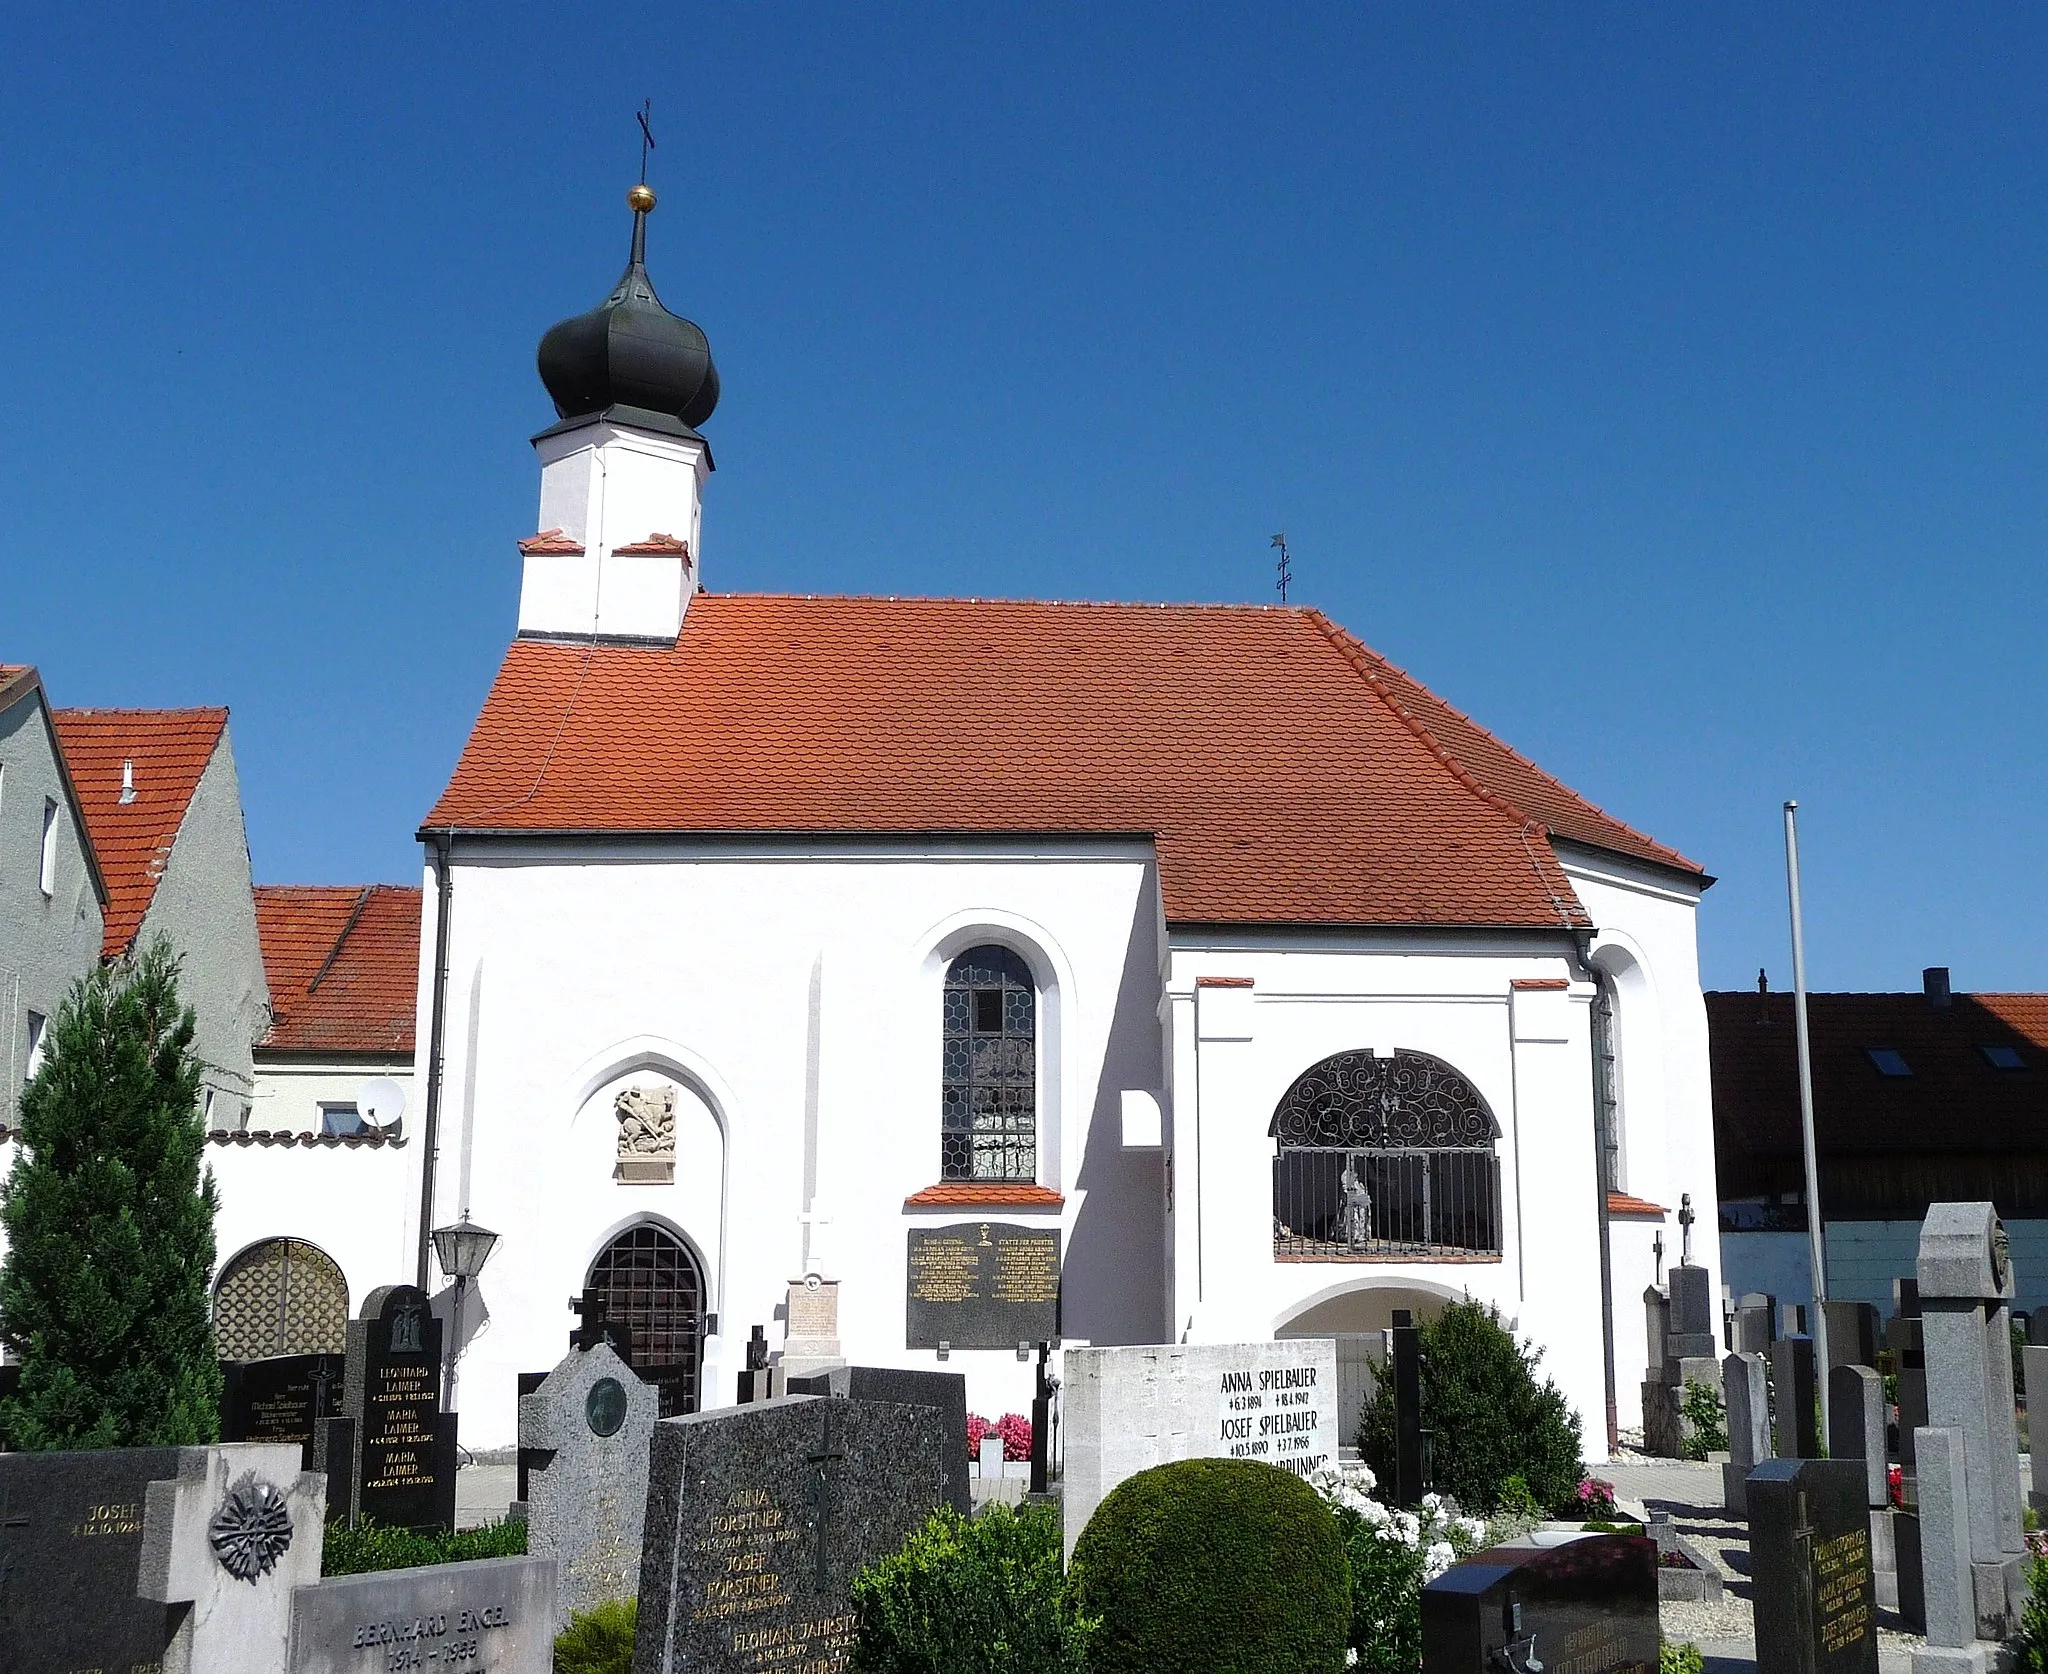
(989, 1069)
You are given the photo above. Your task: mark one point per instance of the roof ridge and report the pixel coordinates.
(219, 709)
(1003, 599)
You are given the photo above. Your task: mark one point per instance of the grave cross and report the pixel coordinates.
(593, 1314)
(1657, 1254)
(822, 1462)
(1685, 1220)
(322, 1379)
(9, 1520)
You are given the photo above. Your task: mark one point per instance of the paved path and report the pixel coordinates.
(482, 1492)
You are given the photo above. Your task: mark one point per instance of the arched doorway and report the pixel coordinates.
(651, 1283)
(282, 1296)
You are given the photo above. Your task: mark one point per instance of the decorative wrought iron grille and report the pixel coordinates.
(282, 1296)
(1384, 1156)
(650, 1282)
(989, 1126)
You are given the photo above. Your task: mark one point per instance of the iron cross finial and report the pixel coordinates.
(646, 135)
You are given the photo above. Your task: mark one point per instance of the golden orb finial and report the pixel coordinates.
(641, 198)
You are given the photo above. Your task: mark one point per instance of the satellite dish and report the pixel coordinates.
(382, 1103)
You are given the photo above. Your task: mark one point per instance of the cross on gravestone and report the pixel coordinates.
(11, 1520)
(822, 1460)
(1685, 1220)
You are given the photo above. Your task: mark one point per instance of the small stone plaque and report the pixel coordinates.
(1588, 1606)
(758, 1519)
(281, 1399)
(982, 1284)
(496, 1616)
(71, 1527)
(393, 1390)
(1809, 1545)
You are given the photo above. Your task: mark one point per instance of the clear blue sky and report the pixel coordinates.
(1665, 388)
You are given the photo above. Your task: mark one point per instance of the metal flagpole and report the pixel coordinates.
(1817, 1247)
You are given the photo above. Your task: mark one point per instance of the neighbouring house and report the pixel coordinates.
(1917, 1098)
(52, 897)
(163, 809)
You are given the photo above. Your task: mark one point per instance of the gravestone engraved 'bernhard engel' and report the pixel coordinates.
(496, 1616)
(1128, 1409)
(1809, 1547)
(982, 1284)
(70, 1558)
(758, 1519)
(584, 1435)
(404, 1475)
(1588, 1606)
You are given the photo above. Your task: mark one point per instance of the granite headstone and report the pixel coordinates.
(982, 1284)
(1746, 1392)
(405, 1468)
(494, 1616)
(584, 1435)
(1794, 1391)
(945, 1391)
(1856, 1425)
(1809, 1542)
(281, 1399)
(758, 1519)
(1756, 1320)
(1588, 1605)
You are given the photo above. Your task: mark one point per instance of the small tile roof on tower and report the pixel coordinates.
(1285, 773)
(169, 750)
(343, 963)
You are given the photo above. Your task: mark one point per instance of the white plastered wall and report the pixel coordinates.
(291, 1090)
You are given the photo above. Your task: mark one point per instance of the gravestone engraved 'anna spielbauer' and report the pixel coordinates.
(758, 1519)
(1809, 1546)
(405, 1475)
(71, 1528)
(496, 1616)
(1585, 1606)
(982, 1284)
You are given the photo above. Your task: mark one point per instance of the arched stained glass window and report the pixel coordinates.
(989, 1126)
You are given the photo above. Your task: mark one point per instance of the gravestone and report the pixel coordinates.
(282, 1399)
(1793, 1390)
(758, 1519)
(71, 1527)
(1815, 1595)
(1856, 1425)
(1404, 1366)
(1588, 1605)
(1852, 1334)
(225, 1545)
(405, 1453)
(811, 1327)
(944, 1391)
(1755, 1323)
(1128, 1409)
(757, 1378)
(1746, 1391)
(584, 1434)
(1947, 1581)
(2034, 1368)
(1684, 1326)
(982, 1284)
(1792, 1319)
(494, 1616)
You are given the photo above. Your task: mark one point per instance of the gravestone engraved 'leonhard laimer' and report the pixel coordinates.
(393, 1389)
(758, 1519)
(982, 1284)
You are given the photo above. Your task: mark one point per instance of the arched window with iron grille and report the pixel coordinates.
(1379, 1157)
(650, 1282)
(280, 1296)
(989, 1074)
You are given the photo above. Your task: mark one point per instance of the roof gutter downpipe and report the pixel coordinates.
(1817, 1252)
(437, 1021)
(1583, 940)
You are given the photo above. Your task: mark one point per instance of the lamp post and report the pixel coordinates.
(462, 1250)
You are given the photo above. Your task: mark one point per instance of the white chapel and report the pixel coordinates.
(763, 935)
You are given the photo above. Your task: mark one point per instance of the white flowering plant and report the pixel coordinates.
(1394, 1554)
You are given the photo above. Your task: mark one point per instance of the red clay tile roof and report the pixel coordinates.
(343, 965)
(985, 1194)
(551, 543)
(1620, 1203)
(170, 749)
(1285, 773)
(1954, 1101)
(657, 543)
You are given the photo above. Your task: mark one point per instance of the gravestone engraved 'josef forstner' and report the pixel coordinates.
(1809, 1547)
(495, 1616)
(1588, 1606)
(982, 1284)
(758, 1519)
(584, 1434)
(405, 1475)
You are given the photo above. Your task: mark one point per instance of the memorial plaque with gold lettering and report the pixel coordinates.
(281, 1399)
(758, 1519)
(982, 1284)
(405, 1475)
(70, 1550)
(1588, 1606)
(1809, 1551)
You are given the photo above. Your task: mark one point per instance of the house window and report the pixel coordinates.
(1888, 1061)
(38, 1028)
(2003, 1057)
(1384, 1157)
(48, 877)
(990, 1068)
(340, 1119)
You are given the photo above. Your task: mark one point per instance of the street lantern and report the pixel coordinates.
(463, 1248)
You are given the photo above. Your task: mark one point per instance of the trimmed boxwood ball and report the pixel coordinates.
(1214, 1566)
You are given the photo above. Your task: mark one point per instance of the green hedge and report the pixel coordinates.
(1214, 1566)
(370, 1546)
(599, 1640)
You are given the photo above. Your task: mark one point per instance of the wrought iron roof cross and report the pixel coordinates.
(646, 135)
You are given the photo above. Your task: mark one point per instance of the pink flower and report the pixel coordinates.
(1015, 1429)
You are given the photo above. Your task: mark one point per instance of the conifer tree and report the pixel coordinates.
(109, 1221)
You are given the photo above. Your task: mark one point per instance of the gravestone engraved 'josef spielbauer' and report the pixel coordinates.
(758, 1519)
(982, 1284)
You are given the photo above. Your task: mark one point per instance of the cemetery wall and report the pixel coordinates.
(1864, 1257)
(358, 1203)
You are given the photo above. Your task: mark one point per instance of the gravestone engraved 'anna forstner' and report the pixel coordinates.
(758, 1519)
(945, 1392)
(1809, 1545)
(982, 1284)
(392, 1388)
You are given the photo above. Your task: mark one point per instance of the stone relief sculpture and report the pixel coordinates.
(647, 1136)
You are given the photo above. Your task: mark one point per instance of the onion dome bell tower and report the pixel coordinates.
(622, 474)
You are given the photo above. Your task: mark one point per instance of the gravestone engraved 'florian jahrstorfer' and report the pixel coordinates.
(758, 1518)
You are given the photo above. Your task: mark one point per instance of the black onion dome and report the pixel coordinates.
(631, 352)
